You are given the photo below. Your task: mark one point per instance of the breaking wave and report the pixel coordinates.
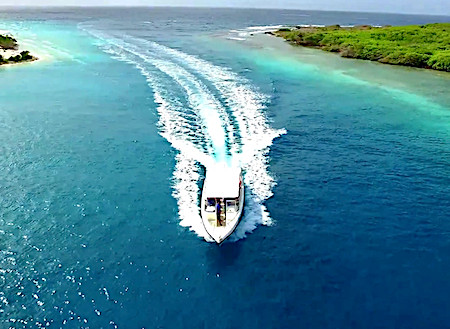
(244, 34)
(209, 114)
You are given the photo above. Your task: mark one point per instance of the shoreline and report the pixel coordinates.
(399, 80)
(27, 61)
(419, 46)
(11, 51)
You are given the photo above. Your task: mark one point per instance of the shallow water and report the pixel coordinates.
(103, 145)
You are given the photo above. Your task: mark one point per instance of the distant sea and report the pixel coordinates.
(103, 149)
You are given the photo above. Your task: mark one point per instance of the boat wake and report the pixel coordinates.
(208, 114)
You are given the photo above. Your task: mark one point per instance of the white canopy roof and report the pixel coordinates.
(222, 181)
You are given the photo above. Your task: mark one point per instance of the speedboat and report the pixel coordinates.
(222, 201)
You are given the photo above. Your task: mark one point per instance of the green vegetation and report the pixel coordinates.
(9, 43)
(425, 46)
(23, 56)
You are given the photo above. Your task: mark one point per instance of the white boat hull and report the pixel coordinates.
(221, 233)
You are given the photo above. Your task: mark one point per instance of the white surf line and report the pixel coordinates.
(243, 34)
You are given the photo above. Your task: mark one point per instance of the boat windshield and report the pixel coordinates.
(232, 205)
(210, 205)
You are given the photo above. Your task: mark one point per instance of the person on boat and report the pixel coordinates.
(218, 208)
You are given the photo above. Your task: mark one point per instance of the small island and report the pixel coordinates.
(423, 46)
(10, 53)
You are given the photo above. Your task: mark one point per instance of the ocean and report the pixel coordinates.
(103, 147)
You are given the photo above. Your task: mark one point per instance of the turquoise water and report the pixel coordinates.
(103, 145)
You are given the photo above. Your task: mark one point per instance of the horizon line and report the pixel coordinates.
(219, 7)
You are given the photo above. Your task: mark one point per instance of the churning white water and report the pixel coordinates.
(209, 114)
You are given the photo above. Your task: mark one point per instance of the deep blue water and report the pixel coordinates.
(103, 144)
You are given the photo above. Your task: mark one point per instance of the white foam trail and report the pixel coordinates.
(200, 99)
(245, 104)
(186, 173)
(186, 191)
(216, 122)
(172, 127)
